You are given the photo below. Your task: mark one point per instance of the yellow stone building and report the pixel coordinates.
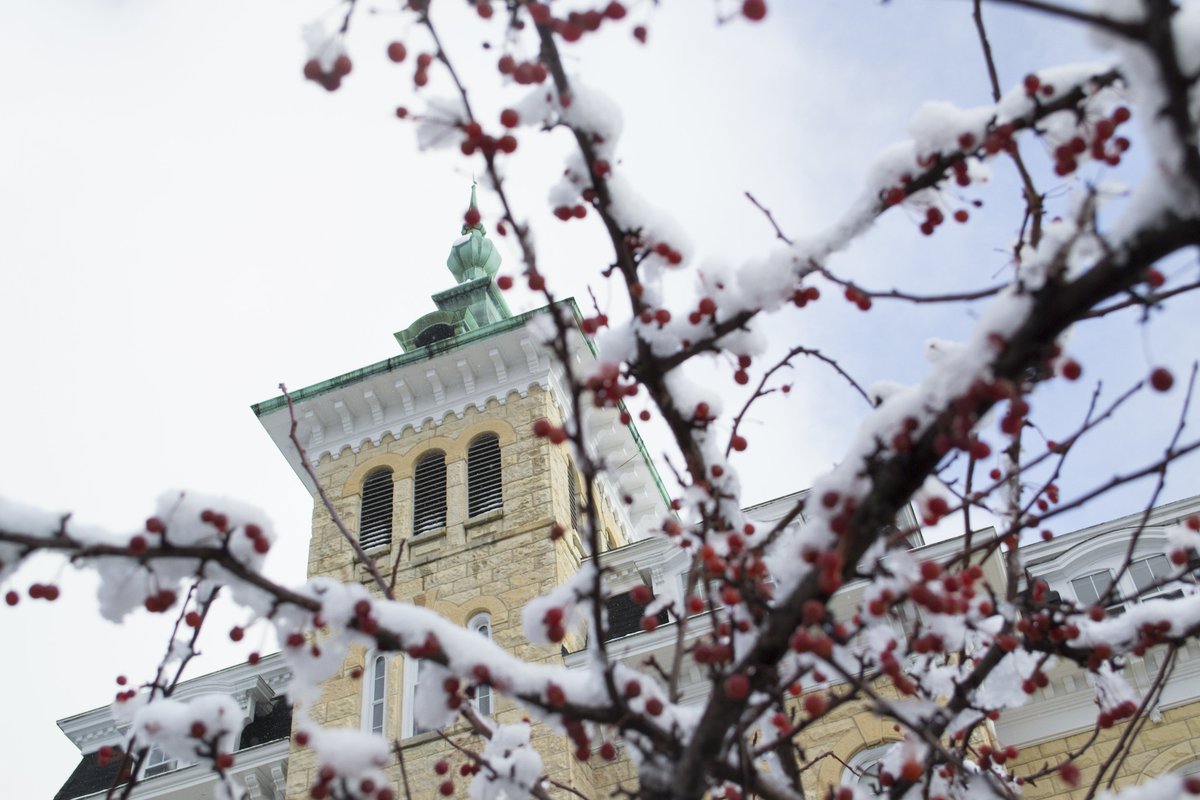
(472, 371)
(429, 459)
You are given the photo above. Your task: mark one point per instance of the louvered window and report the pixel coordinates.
(573, 495)
(375, 521)
(429, 493)
(483, 475)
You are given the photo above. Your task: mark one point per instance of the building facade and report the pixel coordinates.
(430, 460)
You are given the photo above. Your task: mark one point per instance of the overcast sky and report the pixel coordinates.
(185, 223)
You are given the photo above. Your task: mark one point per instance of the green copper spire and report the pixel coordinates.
(473, 255)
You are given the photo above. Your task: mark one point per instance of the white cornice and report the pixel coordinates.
(247, 684)
(422, 393)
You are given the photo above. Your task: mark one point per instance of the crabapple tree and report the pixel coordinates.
(966, 437)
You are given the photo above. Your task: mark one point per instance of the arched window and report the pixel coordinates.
(482, 624)
(376, 694)
(429, 493)
(863, 768)
(375, 518)
(483, 475)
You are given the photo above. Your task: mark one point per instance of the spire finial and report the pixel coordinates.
(473, 213)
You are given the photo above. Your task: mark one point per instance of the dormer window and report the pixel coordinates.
(1090, 588)
(158, 762)
(1147, 572)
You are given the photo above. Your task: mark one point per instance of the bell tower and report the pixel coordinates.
(429, 459)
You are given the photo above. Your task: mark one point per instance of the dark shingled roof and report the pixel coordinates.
(625, 616)
(269, 727)
(89, 777)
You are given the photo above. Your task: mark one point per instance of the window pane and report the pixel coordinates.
(1090, 588)
(417, 728)
(482, 624)
(378, 693)
(1148, 571)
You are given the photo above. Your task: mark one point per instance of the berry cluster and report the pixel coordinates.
(544, 429)
(325, 787)
(1104, 146)
(524, 73)
(802, 297)
(477, 140)
(572, 27)
(331, 80)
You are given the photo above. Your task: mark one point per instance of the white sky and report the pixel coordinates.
(185, 222)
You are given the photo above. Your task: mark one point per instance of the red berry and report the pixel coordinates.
(509, 118)
(505, 282)
(754, 9)
(12, 598)
(397, 51)
(814, 704)
(737, 687)
(471, 217)
(641, 594)
(738, 443)
(639, 33)
(1162, 379)
(1071, 369)
(441, 767)
(236, 633)
(608, 751)
(198, 730)
(446, 788)
(224, 760)
(654, 706)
